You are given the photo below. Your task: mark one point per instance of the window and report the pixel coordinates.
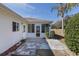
(31, 28)
(45, 27)
(23, 28)
(15, 26)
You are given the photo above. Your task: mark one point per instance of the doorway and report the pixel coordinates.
(37, 31)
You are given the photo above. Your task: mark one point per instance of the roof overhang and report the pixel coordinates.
(36, 20)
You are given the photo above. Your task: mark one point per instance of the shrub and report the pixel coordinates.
(72, 33)
(47, 34)
(51, 35)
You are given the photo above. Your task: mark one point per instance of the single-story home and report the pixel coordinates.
(14, 28)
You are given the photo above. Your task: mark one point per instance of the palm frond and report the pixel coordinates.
(70, 6)
(63, 8)
(54, 8)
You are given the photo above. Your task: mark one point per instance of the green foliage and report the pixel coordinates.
(72, 33)
(47, 34)
(51, 35)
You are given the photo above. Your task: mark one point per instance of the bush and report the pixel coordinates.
(47, 34)
(72, 33)
(52, 33)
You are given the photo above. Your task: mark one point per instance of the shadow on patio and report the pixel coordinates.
(59, 37)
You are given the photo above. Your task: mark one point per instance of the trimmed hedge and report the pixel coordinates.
(72, 33)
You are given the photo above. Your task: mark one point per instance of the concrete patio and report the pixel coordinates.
(33, 47)
(58, 48)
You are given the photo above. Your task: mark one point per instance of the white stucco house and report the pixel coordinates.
(14, 28)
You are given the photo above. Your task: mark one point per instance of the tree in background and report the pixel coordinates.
(62, 9)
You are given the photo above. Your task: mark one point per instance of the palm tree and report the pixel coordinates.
(62, 9)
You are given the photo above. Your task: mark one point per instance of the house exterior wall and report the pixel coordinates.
(7, 37)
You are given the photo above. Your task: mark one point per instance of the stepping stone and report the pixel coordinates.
(23, 53)
(44, 46)
(44, 52)
(33, 52)
(31, 46)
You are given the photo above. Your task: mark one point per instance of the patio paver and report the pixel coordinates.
(34, 47)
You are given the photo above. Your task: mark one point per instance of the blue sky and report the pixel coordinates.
(37, 10)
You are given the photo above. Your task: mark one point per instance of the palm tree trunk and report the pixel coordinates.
(63, 26)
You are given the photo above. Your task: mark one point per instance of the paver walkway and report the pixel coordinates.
(34, 47)
(58, 48)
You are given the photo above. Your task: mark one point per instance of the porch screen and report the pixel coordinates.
(45, 28)
(31, 28)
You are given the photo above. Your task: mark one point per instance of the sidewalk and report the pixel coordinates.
(58, 48)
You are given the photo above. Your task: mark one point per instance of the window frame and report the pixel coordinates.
(44, 27)
(15, 26)
(31, 28)
(24, 28)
